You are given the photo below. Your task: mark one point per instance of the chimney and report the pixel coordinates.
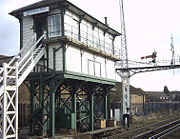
(106, 21)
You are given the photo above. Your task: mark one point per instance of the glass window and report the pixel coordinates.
(71, 25)
(96, 37)
(101, 38)
(67, 25)
(97, 69)
(83, 32)
(90, 35)
(108, 43)
(91, 67)
(94, 68)
(54, 25)
(75, 30)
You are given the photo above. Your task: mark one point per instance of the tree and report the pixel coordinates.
(166, 90)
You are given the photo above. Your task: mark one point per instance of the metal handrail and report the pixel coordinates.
(20, 61)
(14, 58)
(95, 42)
(31, 49)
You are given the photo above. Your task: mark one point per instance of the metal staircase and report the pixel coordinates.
(12, 74)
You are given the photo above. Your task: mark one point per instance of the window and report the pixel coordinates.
(90, 35)
(96, 37)
(54, 25)
(94, 68)
(101, 40)
(67, 24)
(75, 29)
(84, 32)
(90, 67)
(97, 69)
(108, 43)
(71, 25)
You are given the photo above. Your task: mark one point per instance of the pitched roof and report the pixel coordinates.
(175, 92)
(64, 3)
(133, 90)
(156, 93)
(4, 59)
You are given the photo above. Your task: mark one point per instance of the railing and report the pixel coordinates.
(22, 61)
(30, 50)
(117, 52)
(13, 74)
(148, 63)
(22, 50)
(90, 40)
(1, 72)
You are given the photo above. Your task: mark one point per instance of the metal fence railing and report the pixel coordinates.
(91, 40)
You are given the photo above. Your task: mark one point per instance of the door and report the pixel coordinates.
(40, 25)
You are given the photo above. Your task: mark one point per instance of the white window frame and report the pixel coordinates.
(93, 70)
(54, 26)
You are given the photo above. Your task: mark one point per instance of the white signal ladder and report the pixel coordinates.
(12, 74)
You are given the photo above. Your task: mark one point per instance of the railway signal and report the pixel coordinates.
(153, 56)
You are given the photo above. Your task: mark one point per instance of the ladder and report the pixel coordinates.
(12, 75)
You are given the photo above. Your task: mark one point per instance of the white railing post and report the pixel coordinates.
(4, 102)
(35, 38)
(16, 100)
(45, 34)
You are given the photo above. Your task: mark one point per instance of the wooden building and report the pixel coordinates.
(138, 101)
(77, 42)
(73, 58)
(138, 98)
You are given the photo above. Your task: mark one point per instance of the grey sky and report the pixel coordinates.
(9, 31)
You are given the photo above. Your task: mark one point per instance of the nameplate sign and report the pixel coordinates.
(36, 11)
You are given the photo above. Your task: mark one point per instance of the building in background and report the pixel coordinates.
(138, 99)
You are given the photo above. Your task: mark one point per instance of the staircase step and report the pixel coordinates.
(1, 78)
(11, 77)
(11, 88)
(10, 112)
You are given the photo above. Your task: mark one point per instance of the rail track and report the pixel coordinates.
(154, 130)
(160, 132)
(150, 129)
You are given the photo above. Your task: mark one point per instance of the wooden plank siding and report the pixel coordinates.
(27, 32)
(87, 63)
(58, 56)
(77, 60)
(73, 59)
(110, 69)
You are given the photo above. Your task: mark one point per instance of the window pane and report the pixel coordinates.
(96, 40)
(91, 67)
(54, 25)
(101, 37)
(97, 69)
(108, 43)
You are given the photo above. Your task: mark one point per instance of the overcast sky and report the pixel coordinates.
(149, 25)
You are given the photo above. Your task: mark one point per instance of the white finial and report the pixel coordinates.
(172, 50)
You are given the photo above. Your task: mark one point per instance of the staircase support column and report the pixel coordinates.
(105, 103)
(53, 89)
(52, 108)
(92, 110)
(74, 95)
(32, 92)
(4, 102)
(16, 100)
